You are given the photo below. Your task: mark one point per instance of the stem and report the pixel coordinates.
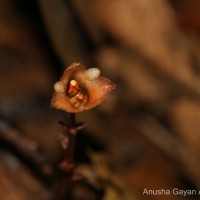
(72, 120)
(68, 164)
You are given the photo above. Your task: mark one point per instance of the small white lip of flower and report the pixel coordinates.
(92, 73)
(73, 83)
(59, 87)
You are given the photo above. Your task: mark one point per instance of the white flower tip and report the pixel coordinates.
(73, 83)
(59, 87)
(92, 73)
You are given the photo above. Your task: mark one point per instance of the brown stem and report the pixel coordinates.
(68, 164)
(72, 122)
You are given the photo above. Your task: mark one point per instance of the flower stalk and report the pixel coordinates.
(67, 166)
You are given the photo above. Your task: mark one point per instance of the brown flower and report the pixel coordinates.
(80, 89)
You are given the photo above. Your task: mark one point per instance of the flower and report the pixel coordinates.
(80, 89)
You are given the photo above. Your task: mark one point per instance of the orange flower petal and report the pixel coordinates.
(80, 89)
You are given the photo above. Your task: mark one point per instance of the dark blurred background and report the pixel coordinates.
(149, 127)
